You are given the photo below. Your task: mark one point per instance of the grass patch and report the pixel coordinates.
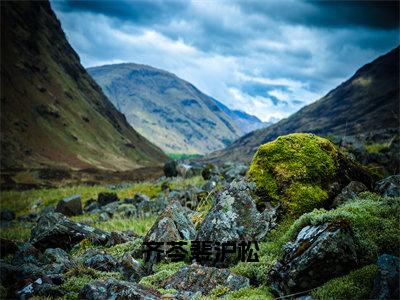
(376, 147)
(356, 285)
(176, 156)
(162, 272)
(137, 225)
(23, 202)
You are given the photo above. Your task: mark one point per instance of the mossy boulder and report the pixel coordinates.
(302, 171)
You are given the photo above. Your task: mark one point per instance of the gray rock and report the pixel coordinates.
(196, 278)
(386, 284)
(100, 260)
(234, 216)
(57, 261)
(132, 269)
(172, 225)
(349, 192)
(27, 254)
(70, 206)
(117, 289)
(234, 171)
(106, 198)
(42, 286)
(54, 230)
(389, 186)
(318, 254)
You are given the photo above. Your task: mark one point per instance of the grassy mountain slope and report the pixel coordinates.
(167, 110)
(367, 102)
(53, 114)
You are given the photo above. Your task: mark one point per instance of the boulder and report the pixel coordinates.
(106, 198)
(195, 278)
(234, 216)
(27, 254)
(132, 269)
(349, 192)
(57, 261)
(233, 171)
(100, 260)
(117, 289)
(170, 169)
(70, 206)
(386, 284)
(389, 186)
(54, 230)
(318, 254)
(172, 225)
(43, 287)
(301, 172)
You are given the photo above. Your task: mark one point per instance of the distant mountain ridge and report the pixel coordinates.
(169, 111)
(54, 115)
(367, 102)
(243, 120)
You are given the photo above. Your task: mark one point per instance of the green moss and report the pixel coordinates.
(119, 250)
(249, 293)
(356, 285)
(79, 276)
(373, 220)
(295, 170)
(162, 272)
(376, 148)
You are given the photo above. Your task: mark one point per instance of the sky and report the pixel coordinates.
(267, 58)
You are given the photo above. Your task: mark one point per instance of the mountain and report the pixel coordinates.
(367, 102)
(167, 110)
(243, 120)
(53, 114)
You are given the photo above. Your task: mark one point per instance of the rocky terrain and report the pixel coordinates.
(54, 115)
(171, 112)
(321, 226)
(362, 112)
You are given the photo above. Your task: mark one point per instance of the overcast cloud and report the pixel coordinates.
(268, 58)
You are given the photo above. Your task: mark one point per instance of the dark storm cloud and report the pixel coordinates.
(371, 14)
(268, 58)
(138, 11)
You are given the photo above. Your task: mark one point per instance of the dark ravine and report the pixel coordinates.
(366, 103)
(169, 111)
(56, 115)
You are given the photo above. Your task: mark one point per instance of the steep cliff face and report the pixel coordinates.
(368, 102)
(53, 114)
(167, 110)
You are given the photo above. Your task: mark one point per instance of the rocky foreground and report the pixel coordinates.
(304, 220)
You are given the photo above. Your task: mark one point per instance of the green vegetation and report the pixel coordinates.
(376, 148)
(137, 225)
(23, 202)
(176, 156)
(162, 271)
(356, 285)
(250, 293)
(79, 276)
(294, 170)
(373, 220)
